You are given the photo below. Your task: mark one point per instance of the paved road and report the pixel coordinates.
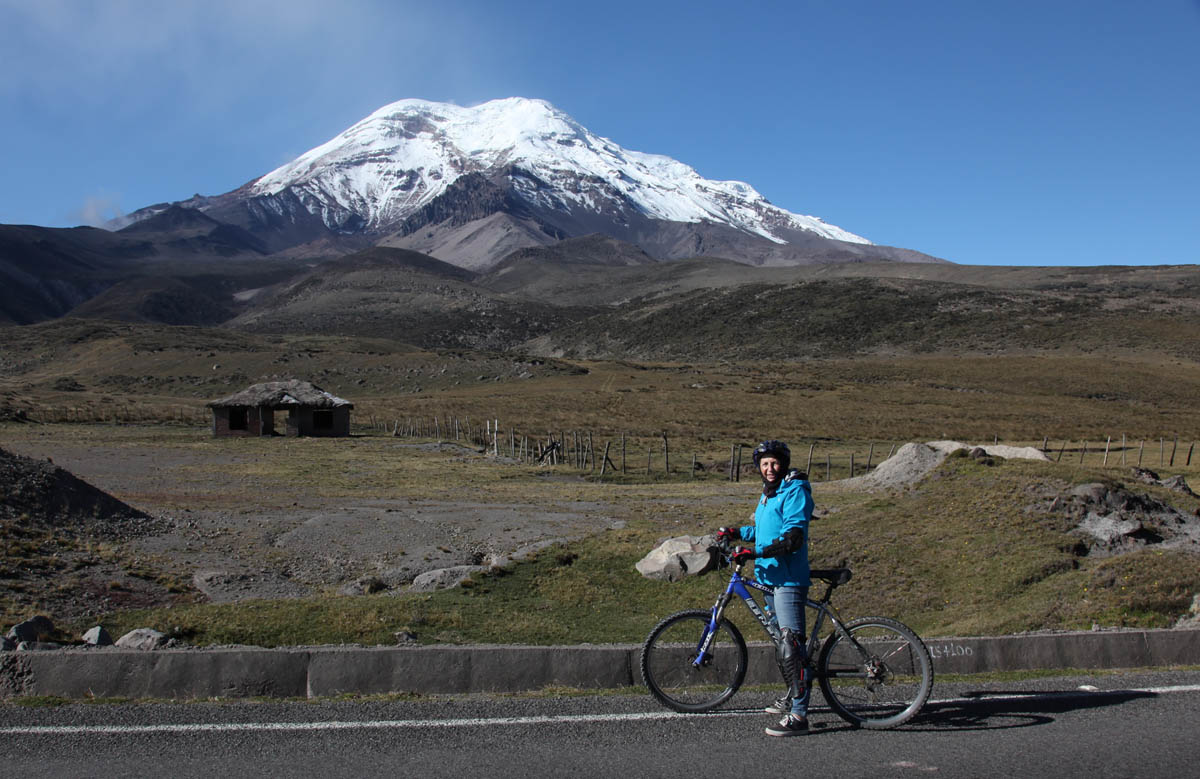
(1130, 725)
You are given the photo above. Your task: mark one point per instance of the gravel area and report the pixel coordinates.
(233, 545)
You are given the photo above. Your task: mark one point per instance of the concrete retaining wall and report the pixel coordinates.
(327, 671)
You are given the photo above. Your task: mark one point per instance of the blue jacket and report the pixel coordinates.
(791, 506)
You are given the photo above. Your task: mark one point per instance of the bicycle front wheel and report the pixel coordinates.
(878, 680)
(681, 680)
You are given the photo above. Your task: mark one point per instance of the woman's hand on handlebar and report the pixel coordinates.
(742, 556)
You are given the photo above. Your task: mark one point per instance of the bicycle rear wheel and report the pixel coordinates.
(879, 680)
(669, 666)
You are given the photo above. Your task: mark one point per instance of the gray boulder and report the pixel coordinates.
(142, 638)
(97, 636)
(443, 578)
(678, 557)
(1178, 484)
(32, 629)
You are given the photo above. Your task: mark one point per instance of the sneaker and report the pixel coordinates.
(791, 725)
(781, 706)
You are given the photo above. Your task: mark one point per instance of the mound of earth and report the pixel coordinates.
(912, 461)
(61, 537)
(39, 491)
(992, 450)
(909, 464)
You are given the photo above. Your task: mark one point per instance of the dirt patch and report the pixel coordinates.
(196, 540)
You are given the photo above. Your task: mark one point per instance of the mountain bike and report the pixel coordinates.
(874, 672)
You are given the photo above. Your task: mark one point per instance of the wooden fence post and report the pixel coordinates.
(731, 461)
(1174, 446)
(666, 455)
(808, 469)
(1106, 445)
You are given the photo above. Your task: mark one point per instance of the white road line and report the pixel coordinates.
(562, 719)
(339, 725)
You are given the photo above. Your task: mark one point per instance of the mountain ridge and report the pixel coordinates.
(433, 177)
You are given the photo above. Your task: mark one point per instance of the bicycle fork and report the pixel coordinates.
(710, 632)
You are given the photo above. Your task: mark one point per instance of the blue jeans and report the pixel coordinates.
(786, 607)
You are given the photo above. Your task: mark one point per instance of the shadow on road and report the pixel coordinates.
(1000, 709)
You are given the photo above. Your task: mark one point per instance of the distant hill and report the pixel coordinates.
(394, 293)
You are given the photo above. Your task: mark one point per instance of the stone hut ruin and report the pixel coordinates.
(311, 411)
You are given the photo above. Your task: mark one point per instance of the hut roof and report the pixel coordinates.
(282, 394)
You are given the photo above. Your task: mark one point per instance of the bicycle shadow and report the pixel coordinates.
(1006, 709)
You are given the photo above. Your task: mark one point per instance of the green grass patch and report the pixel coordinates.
(972, 550)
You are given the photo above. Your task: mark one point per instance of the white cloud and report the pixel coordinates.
(98, 210)
(208, 54)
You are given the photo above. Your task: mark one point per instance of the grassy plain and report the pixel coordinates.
(971, 550)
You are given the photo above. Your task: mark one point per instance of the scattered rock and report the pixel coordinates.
(1145, 475)
(1191, 620)
(444, 578)
(405, 637)
(366, 585)
(678, 557)
(144, 639)
(97, 636)
(1176, 483)
(37, 646)
(1113, 520)
(32, 629)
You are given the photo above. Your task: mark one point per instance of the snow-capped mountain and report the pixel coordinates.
(403, 156)
(470, 186)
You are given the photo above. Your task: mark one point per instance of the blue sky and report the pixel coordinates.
(1058, 132)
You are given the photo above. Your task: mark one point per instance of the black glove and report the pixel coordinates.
(743, 556)
(727, 535)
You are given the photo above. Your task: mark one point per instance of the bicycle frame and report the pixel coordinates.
(738, 585)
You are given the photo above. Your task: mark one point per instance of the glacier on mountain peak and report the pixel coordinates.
(407, 153)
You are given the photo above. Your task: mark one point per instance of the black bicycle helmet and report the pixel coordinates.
(777, 449)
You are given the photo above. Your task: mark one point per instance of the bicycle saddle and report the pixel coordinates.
(835, 576)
